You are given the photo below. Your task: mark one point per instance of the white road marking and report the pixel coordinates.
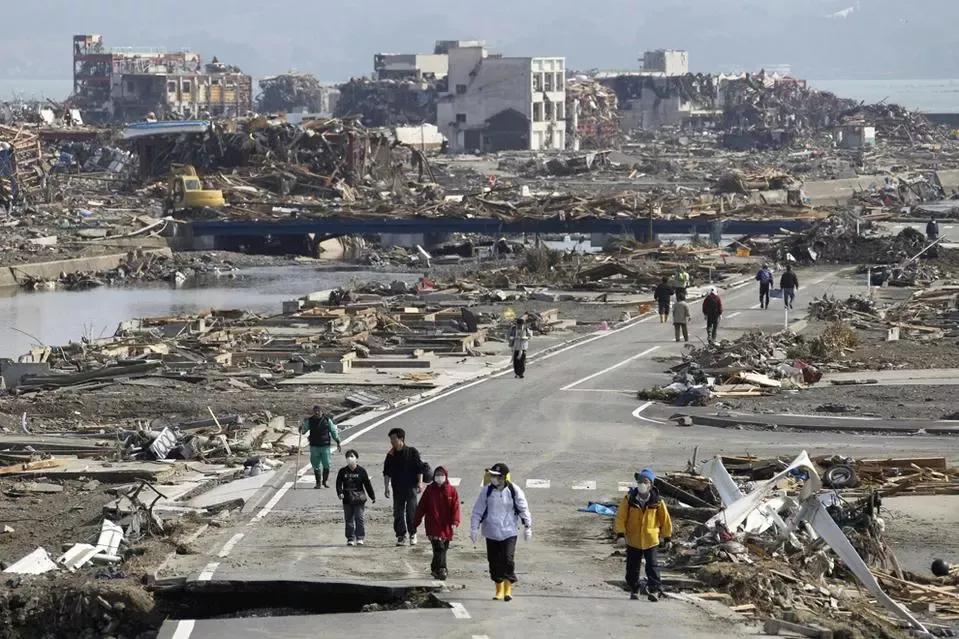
(274, 500)
(228, 546)
(459, 610)
(480, 637)
(624, 486)
(455, 481)
(631, 391)
(184, 628)
(207, 573)
(584, 485)
(732, 315)
(636, 414)
(610, 368)
(537, 483)
(754, 307)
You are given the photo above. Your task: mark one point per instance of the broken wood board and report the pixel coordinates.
(356, 378)
(74, 468)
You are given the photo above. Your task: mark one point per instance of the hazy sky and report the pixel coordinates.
(821, 39)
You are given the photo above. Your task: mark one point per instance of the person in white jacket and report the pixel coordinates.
(499, 510)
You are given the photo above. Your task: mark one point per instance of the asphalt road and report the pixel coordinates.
(572, 432)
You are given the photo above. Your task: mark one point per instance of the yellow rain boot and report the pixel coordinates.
(508, 591)
(500, 591)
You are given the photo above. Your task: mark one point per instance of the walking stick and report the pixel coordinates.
(296, 471)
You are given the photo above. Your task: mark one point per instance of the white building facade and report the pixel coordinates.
(496, 103)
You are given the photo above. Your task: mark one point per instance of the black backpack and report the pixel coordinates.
(489, 491)
(427, 472)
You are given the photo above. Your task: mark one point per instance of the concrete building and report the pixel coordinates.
(669, 62)
(125, 84)
(410, 66)
(495, 103)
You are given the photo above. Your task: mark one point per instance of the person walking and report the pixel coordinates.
(765, 279)
(352, 486)
(663, 294)
(519, 336)
(681, 319)
(932, 230)
(499, 509)
(713, 310)
(683, 281)
(789, 283)
(403, 473)
(642, 520)
(440, 508)
(322, 433)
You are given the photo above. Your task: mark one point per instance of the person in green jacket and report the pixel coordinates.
(323, 432)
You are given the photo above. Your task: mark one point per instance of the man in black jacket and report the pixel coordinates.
(663, 294)
(403, 472)
(352, 486)
(789, 283)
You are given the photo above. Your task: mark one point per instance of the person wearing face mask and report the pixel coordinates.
(440, 507)
(499, 509)
(352, 486)
(642, 519)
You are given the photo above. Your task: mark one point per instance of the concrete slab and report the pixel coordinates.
(900, 377)
(238, 492)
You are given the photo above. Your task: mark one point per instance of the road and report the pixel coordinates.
(572, 432)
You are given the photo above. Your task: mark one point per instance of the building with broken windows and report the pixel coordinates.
(495, 103)
(126, 84)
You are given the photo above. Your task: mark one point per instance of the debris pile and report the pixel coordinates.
(381, 103)
(595, 108)
(754, 364)
(291, 92)
(765, 534)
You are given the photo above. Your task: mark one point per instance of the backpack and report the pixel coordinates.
(427, 472)
(489, 491)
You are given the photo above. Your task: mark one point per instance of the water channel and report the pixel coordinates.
(57, 317)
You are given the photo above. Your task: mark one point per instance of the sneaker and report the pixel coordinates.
(413, 540)
(401, 540)
(350, 542)
(443, 574)
(634, 596)
(652, 596)
(360, 542)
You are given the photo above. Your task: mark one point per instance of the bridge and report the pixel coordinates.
(638, 227)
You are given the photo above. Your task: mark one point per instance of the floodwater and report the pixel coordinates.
(57, 317)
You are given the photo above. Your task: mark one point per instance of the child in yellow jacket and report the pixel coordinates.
(643, 519)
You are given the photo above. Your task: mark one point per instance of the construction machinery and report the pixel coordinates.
(185, 191)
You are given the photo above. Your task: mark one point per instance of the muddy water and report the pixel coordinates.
(57, 317)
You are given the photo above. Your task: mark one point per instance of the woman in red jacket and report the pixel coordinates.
(440, 506)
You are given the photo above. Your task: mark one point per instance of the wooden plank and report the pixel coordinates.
(937, 463)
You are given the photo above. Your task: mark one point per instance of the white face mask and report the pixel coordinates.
(351, 461)
(643, 488)
(439, 480)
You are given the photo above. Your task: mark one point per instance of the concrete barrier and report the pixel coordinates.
(11, 274)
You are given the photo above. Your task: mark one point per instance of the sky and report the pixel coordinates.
(819, 39)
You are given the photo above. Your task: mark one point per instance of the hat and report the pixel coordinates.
(498, 469)
(712, 289)
(646, 473)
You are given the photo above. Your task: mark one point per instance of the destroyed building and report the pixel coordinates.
(496, 103)
(126, 84)
(410, 66)
(299, 93)
(379, 103)
(669, 62)
(592, 115)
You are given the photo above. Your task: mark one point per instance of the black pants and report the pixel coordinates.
(664, 307)
(519, 362)
(355, 515)
(500, 557)
(440, 546)
(404, 511)
(712, 325)
(634, 558)
(764, 295)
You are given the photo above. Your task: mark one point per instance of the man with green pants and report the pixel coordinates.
(323, 433)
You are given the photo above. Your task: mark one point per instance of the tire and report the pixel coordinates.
(841, 476)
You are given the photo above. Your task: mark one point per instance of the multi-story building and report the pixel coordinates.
(495, 103)
(126, 84)
(410, 66)
(669, 62)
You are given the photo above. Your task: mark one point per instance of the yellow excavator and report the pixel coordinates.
(185, 191)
